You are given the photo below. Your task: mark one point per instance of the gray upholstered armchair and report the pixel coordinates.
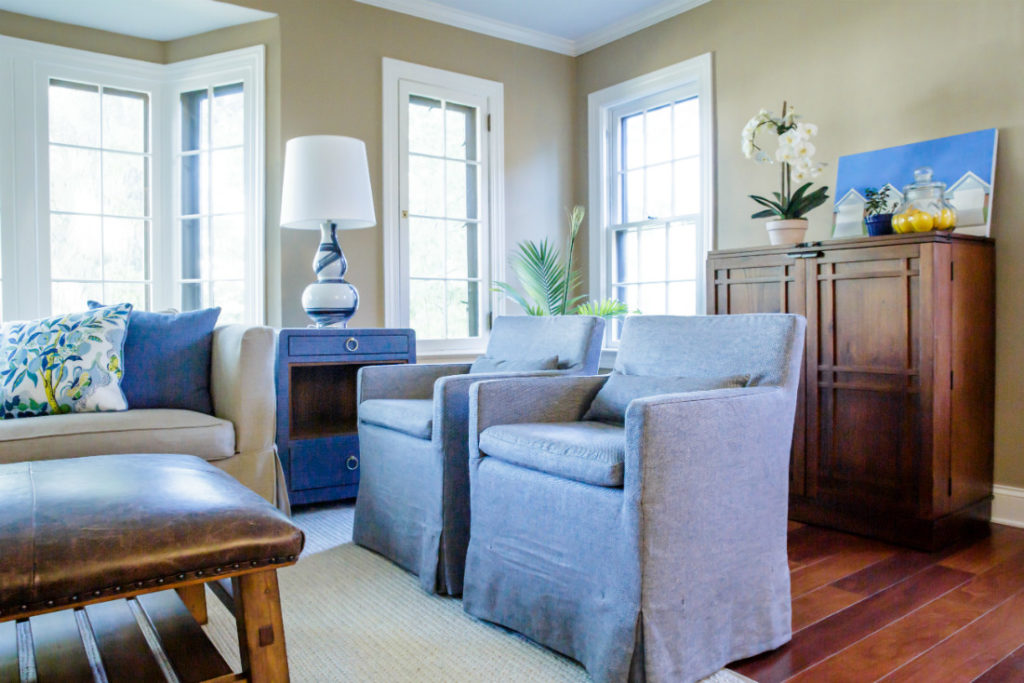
(652, 549)
(413, 502)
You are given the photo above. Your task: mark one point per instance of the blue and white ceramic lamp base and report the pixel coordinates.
(331, 300)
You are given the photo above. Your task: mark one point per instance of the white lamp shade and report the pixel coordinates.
(326, 178)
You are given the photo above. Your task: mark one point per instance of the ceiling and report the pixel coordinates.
(153, 19)
(571, 27)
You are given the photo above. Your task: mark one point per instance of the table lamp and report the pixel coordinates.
(327, 187)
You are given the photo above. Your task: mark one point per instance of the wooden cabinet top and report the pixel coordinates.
(856, 243)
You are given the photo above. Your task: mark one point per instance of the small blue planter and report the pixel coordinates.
(880, 224)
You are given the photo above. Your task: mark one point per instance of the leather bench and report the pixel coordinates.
(90, 548)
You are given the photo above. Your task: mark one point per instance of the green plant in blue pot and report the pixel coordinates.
(878, 208)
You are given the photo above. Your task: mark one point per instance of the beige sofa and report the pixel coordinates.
(238, 438)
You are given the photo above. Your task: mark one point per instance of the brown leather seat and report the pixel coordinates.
(80, 529)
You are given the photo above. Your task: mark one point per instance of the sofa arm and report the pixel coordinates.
(403, 381)
(242, 383)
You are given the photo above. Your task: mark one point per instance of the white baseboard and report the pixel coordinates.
(1008, 505)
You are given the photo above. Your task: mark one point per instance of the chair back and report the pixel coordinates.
(767, 346)
(575, 339)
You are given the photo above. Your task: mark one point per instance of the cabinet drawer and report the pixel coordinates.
(319, 463)
(354, 345)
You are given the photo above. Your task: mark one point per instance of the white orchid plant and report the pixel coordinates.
(796, 156)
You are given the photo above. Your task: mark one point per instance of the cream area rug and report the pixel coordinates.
(351, 615)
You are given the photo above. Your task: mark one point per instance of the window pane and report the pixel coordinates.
(70, 297)
(136, 294)
(74, 113)
(230, 296)
(461, 192)
(228, 175)
(633, 197)
(426, 186)
(125, 120)
(228, 127)
(426, 308)
(652, 254)
(461, 250)
(74, 180)
(687, 186)
(426, 247)
(658, 135)
(124, 249)
(652, 299)
(191, 236)
(227, 239)
(460, 131)
(124, 184)
(462, 309)
(75, 247)
(659, 191)
(686, 128)
(682, 298)
(191, 296)
(682, 251)
(194, 120)
(626, 261)
(633, 141)
(195, 188)
(426, 126)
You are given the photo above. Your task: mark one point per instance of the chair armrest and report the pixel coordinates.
(242, 383)
(403, 381)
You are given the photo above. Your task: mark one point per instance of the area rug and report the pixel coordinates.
(351, 615)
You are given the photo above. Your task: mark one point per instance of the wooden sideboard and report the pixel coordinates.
(894, 425)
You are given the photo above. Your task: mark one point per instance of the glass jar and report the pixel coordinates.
(924, 206)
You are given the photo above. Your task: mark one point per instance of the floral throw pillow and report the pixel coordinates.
(65, 364)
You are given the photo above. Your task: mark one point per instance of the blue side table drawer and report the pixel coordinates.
(320, 463)
(303, 345)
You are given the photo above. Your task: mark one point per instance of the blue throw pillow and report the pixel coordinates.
(167, 359)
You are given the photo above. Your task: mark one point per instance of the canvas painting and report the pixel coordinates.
(966, 163)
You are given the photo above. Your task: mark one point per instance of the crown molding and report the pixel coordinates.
(435, 11)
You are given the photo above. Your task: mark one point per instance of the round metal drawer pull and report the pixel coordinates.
(352, 344)
(352, 462)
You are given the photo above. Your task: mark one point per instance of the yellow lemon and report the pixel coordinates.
(899, 223)
(945, 220)
(921, 221)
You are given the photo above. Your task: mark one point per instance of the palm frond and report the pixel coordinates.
(605, 308)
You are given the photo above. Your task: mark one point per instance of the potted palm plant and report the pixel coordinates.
(878, 211)
(548, 280)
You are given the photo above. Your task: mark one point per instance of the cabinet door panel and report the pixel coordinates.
(772, 283)
(867, 366)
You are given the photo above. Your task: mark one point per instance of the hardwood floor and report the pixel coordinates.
(864, 610)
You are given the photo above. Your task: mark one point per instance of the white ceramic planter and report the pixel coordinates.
(788, 231)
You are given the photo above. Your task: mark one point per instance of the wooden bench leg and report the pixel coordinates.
(260, 628)
(194, 597)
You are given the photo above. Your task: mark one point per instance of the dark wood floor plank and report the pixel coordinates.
(60, 655)
(889, 571)
(122, 646)
(1010, 669)
(823, 639)
(896, 644)
(810, 543)
(812, 607)
(8, 651)
(186, 645)
(836, 567)
(971, 651)
(988, 552)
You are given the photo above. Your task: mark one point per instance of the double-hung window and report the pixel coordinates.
(442, 184)
(131, 182)
(651, 201)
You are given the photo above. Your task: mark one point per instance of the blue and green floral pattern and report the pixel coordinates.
(65, 364)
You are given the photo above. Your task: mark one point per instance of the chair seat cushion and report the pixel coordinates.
(414, 417)
(589, 452)
(130, 431)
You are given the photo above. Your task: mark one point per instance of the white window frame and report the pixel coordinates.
(604, 111)
(26, 68)
(492, 212)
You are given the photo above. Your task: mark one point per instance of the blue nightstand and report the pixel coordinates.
(316, 404)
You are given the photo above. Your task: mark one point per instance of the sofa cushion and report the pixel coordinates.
(131, 431)
(167, 359)
(69, 363)
(414, 417)
(485, 364)
(620, 389)
(590, 452)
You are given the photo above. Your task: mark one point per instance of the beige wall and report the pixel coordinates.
(871, 74)
(67, 35)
